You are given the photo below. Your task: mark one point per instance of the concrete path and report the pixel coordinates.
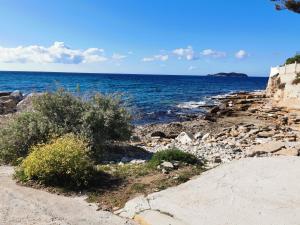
(27, 206)
(262, 191)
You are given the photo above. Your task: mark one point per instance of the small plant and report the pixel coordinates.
(172, 155)
(297, 79)
(63, 162)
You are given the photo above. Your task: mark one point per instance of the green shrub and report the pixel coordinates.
(64, 161)
(20, 134)
(293, 60)
(99, 119)
(172, 155)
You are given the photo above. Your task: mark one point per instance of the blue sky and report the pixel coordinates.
(194, 37)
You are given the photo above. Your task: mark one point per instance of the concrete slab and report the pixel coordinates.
(262, 191)
(27, 206)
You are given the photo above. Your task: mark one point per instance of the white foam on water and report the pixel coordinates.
(191, 105)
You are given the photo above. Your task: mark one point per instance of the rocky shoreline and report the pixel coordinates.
(242, 125)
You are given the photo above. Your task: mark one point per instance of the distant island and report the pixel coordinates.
(228, 75)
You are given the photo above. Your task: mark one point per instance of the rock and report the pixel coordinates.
(158, 134)
(125, 159)
(137, 161)
(17, 95)
(167, 165)
(9, 106)
(205, 136)
(26, 103)
(266, 134)
(288, 152)
(135, 138)
(164, 171)
(185, 138)
(133, 206)
(269, 147)
(198, 135)
(4, 93)
(217, 159)
(214, 110)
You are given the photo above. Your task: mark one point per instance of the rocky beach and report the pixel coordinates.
(242, 125)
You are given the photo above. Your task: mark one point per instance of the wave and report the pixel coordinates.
(191, 105)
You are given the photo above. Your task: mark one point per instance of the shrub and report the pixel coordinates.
(61, 109)
(99, 119)
(20, 134)
(64, 161)
(293, 60)
(172, 155)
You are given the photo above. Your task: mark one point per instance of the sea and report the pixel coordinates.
(150, 98)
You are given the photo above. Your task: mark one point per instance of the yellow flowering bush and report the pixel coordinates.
(64, 161)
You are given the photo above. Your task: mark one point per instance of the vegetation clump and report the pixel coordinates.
(99, 119)
(64, 161)
(293, 59)
(173, 155)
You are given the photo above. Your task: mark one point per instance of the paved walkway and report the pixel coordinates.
(262, 191)
(27, 206)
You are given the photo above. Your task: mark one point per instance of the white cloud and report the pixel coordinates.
(186, 53)
(156, 58)
(241, 54)
(213, 53)
(56, 53)
(117, 56)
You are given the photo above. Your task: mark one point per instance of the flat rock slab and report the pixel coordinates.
(262, 191)
(269, 147)
(27, 206)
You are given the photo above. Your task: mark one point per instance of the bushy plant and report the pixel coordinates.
(172, 155)
(64, 161)
(99, 119)
(20, 134)
(293, 59)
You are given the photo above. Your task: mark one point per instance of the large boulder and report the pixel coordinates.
(26, 103)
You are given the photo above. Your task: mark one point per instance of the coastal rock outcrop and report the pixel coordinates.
(9, 101)
(284, 86)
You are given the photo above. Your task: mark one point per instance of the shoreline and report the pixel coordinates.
(243, 125)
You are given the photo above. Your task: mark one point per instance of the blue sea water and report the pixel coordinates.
(151, 98)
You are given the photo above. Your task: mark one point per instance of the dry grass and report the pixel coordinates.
(137, 180)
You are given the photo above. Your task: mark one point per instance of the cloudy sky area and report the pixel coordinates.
(154, 37)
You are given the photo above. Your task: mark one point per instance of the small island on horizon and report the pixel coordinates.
(232, 74)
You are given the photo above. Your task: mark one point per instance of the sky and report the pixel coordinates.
(186, 37)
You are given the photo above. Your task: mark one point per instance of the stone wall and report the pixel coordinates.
(281, 88)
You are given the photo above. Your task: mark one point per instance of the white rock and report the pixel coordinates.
(198, 135)
(205, 136)
(134, 206)
(168, 165)
(185, 138)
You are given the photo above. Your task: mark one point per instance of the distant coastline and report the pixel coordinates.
(233, 74)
